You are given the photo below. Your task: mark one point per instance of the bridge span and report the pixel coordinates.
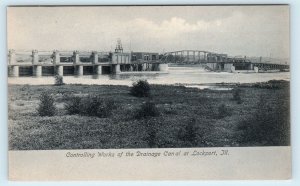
(222, 62)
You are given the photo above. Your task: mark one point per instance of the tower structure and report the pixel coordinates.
(119, 48)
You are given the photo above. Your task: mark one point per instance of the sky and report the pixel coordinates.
(234, 30)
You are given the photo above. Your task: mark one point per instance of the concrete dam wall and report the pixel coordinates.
(78, 63)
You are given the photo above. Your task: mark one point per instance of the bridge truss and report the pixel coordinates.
(221, 60)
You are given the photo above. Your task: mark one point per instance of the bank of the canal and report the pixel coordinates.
(188, 117)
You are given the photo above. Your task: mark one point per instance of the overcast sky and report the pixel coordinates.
(235, 30)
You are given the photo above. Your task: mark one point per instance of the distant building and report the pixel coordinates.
(144, 56)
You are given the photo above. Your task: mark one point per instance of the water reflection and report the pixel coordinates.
(177, 75)
(210, 87)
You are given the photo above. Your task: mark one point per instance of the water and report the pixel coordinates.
(211, 87)
(188, 76)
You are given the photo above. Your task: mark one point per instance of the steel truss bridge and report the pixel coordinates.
(216, 61)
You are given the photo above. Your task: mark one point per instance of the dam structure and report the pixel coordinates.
(79, 63)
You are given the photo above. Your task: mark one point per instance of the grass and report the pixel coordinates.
(181, 112)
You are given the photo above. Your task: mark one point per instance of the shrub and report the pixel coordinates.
(58, 80)
(148, 109)
(91, 105)
(141, 88)
(73, 105)
(236, 95)
(223, 111)
(46, 106)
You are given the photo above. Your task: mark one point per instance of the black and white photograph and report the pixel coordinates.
(148, 77)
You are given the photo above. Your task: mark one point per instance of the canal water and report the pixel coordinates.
(189, 76)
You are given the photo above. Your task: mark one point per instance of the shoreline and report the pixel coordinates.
(271, 84)
(143, 72)
(171, 84)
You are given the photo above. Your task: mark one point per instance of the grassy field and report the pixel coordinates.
(188, 117)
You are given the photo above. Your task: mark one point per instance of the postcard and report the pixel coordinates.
(149, 92)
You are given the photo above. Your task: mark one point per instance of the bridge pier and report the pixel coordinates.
(251, 67)
(60, 70)
(95, 57)
(144, 67)
(56, 57)
(76, 57)
(149, 67)
(12, 57)
(98, 69)
(78, 70)
(176, 57)
(35, 57)
(37, 70)
(194, 56)
(181, 55)
(116, 69)
(14, 71)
